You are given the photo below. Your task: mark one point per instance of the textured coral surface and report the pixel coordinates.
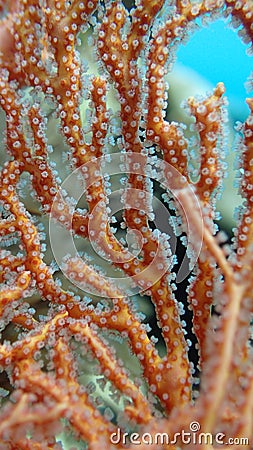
(108, 213)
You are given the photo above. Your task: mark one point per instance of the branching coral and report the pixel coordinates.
(110, 119)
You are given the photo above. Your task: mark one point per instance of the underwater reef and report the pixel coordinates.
(125, 311)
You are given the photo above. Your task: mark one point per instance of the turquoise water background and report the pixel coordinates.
(218, 54)
(213, 54)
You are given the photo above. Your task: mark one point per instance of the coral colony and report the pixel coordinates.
(98, 191)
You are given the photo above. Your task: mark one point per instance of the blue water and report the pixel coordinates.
(218, 54)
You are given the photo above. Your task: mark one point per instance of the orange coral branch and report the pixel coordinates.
(68, 356)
